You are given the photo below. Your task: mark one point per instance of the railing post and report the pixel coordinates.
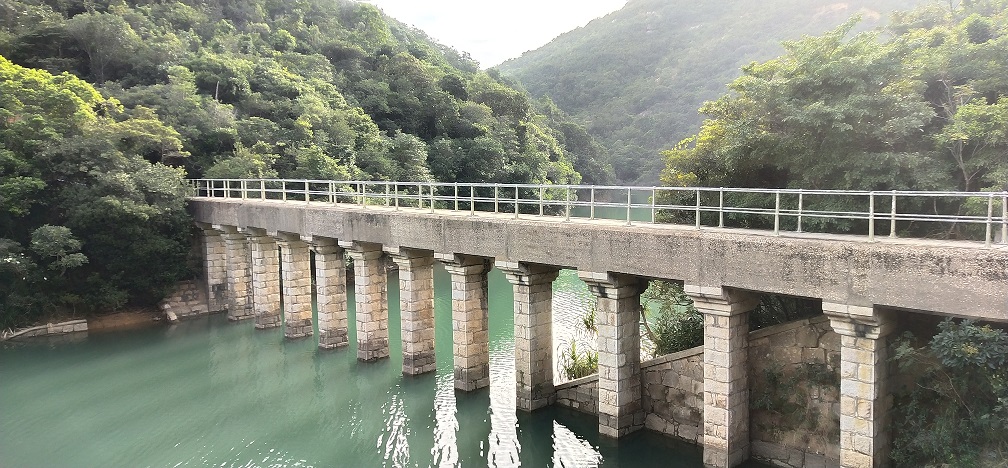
(776, 216)
(1004, 218)
(283, 189)
(332, 193)
(396, 190)
(307, 192)
(496, 201)
(567, 209)
(431, 186)
(363, 194)
(592, 204)
(388, 200)
(892, 216)
(244, 189)
(698, 208)
(628, 205)
(871, 217)
(720, 209)
(227, 188)
(990, 220)
(419, 195)
(472, 200)
(542, 190)
(516, 201)
(456, 196)
(262, 189)
(801, 202)
(654, 200)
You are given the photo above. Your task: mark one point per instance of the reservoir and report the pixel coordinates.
(208, 392)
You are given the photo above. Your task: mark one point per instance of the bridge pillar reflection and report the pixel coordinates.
(370, 286)
(330, 292)
(865, 399)
(617, 318)
(533, 332)
(470, 331)
(215, 257)
(416, 302)
(295, 267)
(239, 273)
(265, 279)
(726, 381)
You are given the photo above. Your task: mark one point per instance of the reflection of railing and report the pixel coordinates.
(721, 207)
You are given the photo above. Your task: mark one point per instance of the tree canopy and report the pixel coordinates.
(308, 88)
(922, 106)
(89, 216)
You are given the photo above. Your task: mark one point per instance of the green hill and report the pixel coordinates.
(302, 88)
(635, 78)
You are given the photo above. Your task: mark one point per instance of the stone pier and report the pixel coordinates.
(330, 293)
(239, 273)
(295, 265)
(533, 332)
(370, 286)
(865, 399)
(617, 317)
(265, 279)
(726, 382)
(469, 319)
(216, 268)
(416, 301)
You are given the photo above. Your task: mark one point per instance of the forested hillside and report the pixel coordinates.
(923, 106)
(308, 88)
(636, 77)
(107, 106)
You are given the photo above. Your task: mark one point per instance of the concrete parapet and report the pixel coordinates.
(865, 398)
(470, 333)
(533, 332)
(726, 381)
(370, 286)
(416, 301)
(330, 293)
(618, 321)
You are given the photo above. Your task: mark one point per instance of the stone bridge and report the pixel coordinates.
(865, 287)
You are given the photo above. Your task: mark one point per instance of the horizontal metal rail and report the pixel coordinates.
(979, 216)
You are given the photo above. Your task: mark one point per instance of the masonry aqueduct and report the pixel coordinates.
(864, 287)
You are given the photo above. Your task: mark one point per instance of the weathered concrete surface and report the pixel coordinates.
(934, 276)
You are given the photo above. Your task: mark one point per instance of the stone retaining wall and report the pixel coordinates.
(188, 300)
(794, 394)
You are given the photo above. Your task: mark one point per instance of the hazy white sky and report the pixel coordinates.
(493, 31)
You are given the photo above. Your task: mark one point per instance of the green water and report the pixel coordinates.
(211, 393)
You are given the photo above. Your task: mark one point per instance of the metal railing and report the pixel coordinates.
(981, 216)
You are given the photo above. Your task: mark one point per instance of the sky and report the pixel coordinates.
(492, 31)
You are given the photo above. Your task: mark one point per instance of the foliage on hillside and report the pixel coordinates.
(89, 219)
(303, 88)
(636, 77)
(923, 107)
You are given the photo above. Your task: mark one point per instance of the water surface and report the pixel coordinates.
(208, 392)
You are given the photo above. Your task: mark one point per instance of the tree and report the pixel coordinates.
(98, 226)
(105, 37)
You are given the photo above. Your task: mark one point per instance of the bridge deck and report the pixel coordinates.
(959, 278)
